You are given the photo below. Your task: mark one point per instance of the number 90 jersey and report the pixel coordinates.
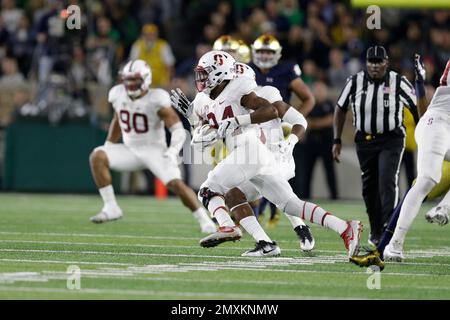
(139, 120)
(228, 105)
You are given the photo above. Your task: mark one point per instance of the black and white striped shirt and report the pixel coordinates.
(378, 106)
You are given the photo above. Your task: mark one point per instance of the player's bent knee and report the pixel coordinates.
(425, 184)
(98, 157)
(235, 197)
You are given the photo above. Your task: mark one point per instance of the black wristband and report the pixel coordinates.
(337, 141)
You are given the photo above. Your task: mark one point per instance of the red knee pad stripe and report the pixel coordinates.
(303, 212)
(312, 214)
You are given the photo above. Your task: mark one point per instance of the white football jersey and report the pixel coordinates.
(271, 131)
(227, 105)
(139, 118)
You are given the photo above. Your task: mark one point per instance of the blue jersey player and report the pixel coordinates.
(285, 76)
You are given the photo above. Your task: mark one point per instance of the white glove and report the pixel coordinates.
(287, 146)
(419, 68)
(181, 103)
(226, 127)
(171, 155)
(203, 136)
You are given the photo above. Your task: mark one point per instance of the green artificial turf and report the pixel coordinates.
(153, 253)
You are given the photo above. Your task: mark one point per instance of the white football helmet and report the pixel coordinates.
(213, 68)
(266, 51)
(243, 70)
(136, 77)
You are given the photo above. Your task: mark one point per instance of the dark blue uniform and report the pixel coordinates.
(280, 77)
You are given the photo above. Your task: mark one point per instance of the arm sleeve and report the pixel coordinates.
(293, 116)
(344, 99)
(408, 97)
(178, 137)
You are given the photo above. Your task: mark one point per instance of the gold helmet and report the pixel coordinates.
(228, 44)
(243, 53)
(261, 49)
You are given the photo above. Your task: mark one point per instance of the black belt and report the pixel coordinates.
(364, 136)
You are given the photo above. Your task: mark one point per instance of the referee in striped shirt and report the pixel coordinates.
(377, 98)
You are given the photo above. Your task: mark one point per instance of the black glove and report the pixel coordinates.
(419, 68)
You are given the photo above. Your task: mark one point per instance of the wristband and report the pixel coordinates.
(337, 141)
(420, 89)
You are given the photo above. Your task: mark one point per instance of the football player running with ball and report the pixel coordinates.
(232, 106)
(140, 116)
(271, 135)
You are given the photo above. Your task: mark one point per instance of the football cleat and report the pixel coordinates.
(223, 234)
(439, 215)
(264, 249)
(371, 258)
(351, 237)
(393, 252)
(104, 216)
(306, 239)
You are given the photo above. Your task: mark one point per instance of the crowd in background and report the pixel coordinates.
(326, 38)
(52, 68)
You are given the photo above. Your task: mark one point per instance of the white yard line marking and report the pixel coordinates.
(410, 254)
(134, 275)
(125, 292)
(127, 236)
(307, 260)
(68, 262)
(233, 263)
(99, 235)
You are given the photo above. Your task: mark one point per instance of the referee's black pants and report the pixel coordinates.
(379, 158)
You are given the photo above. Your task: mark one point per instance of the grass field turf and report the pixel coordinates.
(153, 253)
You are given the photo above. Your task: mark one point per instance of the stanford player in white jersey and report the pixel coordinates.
(228, 107)
(433, 144)
(271, 135)
(140, 116)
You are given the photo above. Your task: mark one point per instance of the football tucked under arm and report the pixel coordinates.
(203, 136)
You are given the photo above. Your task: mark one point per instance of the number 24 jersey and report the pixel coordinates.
(227, 105)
